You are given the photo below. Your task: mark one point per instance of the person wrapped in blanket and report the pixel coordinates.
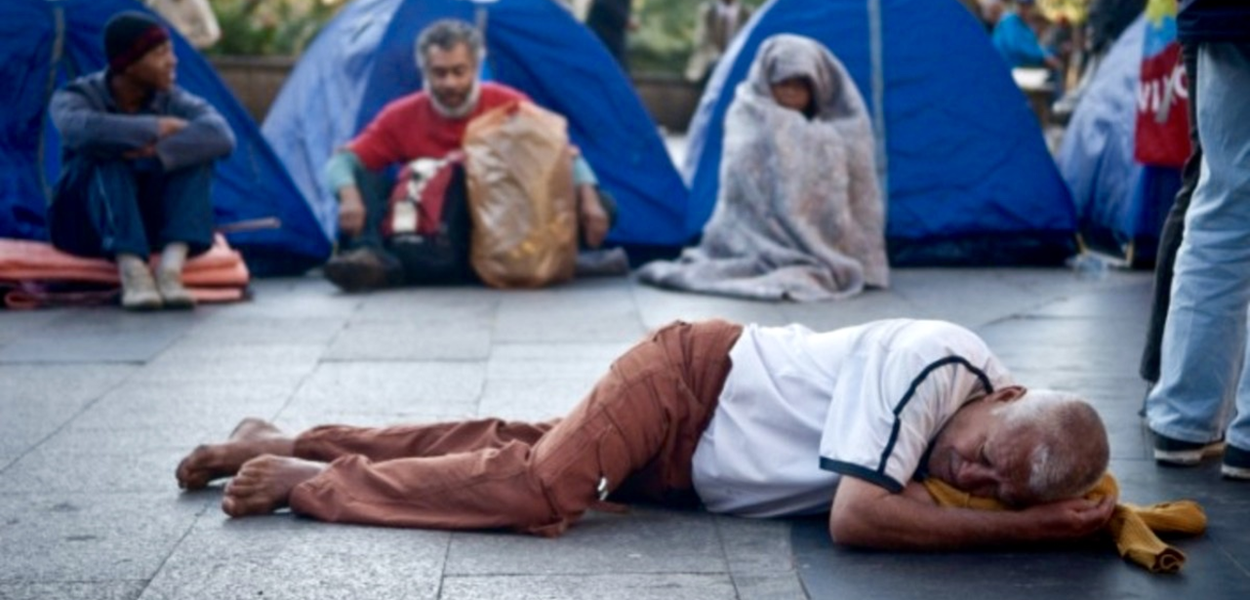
(799, 214)
(381, 246)
(137, 167)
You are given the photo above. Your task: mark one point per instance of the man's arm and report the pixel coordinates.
(340, 176)
(90, 130)
(870, 516)
(205, 137)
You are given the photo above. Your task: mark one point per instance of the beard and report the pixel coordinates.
(455, 112)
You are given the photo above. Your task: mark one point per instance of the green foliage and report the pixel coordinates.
(665, 35)
(269, 27)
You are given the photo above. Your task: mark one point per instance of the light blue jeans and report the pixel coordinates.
(1203, 374)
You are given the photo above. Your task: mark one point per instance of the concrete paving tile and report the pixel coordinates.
(756, 546)
(464, 304)
(284, 557)
(72, 590)
(769, 586)
(102, 335)
(870, 306)
(225, 329)
(1128, 435)
(102, 470)
(291, 299)
(585, 313)
(400, 341)
(391, 388)
(968, 296)
(583, 362)
(1125, 302)
(197, 363)
(163, 414)
(83, 537)
(533, 399)
(599, 543)
(660, 307)
(640, 586)
(36, 400)
(17, 324)
(829, 572)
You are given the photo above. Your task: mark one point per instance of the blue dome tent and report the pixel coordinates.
(1122, 204)
(365, 58)
(45, 43)
(968, 175)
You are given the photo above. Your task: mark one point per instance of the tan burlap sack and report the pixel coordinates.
(521, 197)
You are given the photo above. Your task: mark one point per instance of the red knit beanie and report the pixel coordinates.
(130, 35)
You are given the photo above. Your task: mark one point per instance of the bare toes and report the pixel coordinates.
(191, 472)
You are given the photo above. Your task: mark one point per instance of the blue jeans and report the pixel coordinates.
(1203, 376)
(103, 208)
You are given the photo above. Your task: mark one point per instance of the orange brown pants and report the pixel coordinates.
(632, 437)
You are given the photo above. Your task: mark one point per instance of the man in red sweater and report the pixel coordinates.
(422, 131)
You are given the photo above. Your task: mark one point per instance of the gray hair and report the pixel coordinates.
(1070, 449)
(447, 34)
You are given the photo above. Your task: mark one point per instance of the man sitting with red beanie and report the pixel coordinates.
(137, 165)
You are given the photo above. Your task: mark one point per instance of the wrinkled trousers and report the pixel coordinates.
(631, 439)
(103, 208)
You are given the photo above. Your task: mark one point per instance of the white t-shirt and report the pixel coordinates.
(799, 409)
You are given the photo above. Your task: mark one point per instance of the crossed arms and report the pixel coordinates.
(869, 516)
(191, 133)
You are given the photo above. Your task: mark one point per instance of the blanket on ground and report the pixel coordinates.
(34, 274)
(799, 214)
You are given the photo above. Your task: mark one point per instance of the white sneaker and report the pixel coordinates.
(174, 294)
(138, 288)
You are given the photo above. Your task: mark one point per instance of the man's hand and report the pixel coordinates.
(869, 516)
(351, 211)
(147, 151)
(592, 219)
(1068, 519)
(167, 126)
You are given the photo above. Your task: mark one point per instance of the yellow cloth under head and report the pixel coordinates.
(1133, 528)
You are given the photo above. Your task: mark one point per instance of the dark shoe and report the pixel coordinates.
(1236, 464)
(1184, 454)
(360, 270)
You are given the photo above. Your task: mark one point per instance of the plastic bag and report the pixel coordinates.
(521, 197)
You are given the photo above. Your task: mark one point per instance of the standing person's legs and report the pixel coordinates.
(1173, 227)
(638, 427)
(1205, 336)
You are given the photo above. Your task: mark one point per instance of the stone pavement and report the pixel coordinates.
(97, 406)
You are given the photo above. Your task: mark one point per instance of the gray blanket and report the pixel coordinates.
(799, 215)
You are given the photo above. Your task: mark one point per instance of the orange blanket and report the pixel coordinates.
(218, 275)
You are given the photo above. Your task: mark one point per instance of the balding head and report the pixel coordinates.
(1022, 447)
(1068, 443)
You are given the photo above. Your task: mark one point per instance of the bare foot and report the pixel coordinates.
(264, 484)
(251, 438)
